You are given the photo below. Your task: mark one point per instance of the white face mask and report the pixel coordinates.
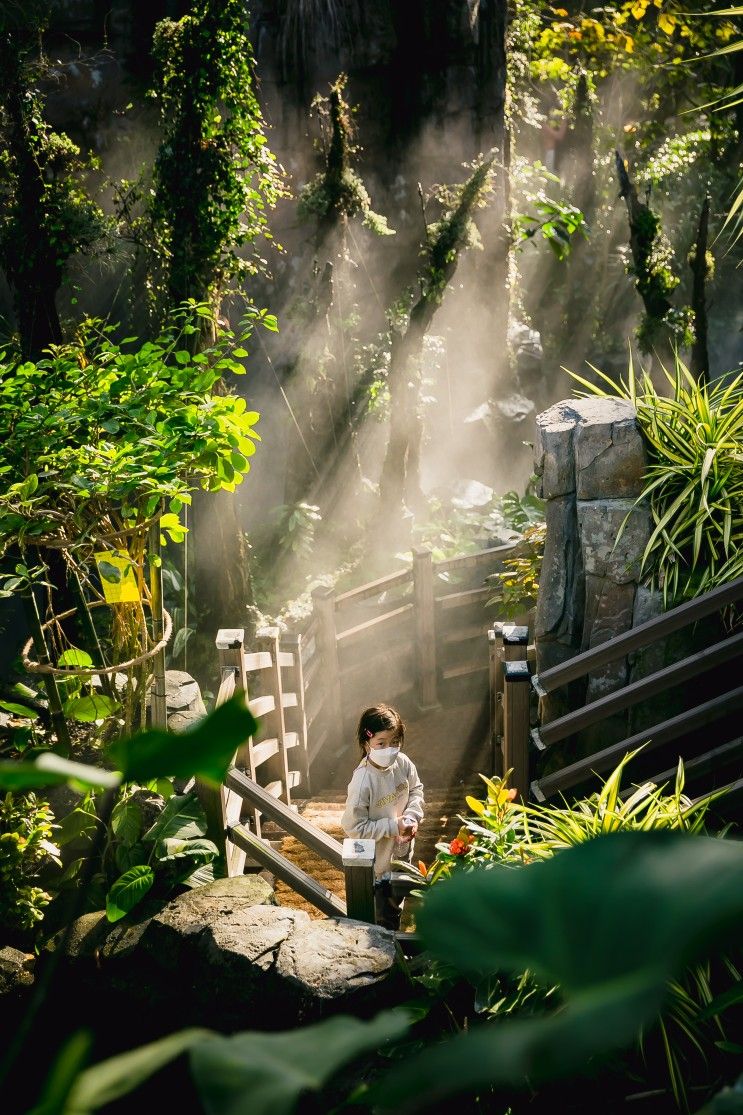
(384, 756)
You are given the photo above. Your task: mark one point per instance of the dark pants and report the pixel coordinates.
(387, 908)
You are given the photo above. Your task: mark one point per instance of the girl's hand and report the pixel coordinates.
(407, 827)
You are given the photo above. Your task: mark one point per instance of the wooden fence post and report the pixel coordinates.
(221, 806)
(516, 691)
(358, 868)
(277, 767)
(425, 628)
(292, 641)
(495, 648)
(323, 600)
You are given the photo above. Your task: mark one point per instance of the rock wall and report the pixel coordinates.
(590, 459)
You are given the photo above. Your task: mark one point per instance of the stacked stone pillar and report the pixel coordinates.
(590, 460)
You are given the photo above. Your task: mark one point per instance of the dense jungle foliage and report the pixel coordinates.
(405, 225)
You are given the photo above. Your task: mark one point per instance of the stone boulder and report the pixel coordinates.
(225, 956)
(16, 973)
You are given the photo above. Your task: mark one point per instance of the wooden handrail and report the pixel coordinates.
(670, 729)
(304, 831)
(375, 588)
(482, 557)
(324, 899)
(649, 632)
(368, 624)
(637, 691)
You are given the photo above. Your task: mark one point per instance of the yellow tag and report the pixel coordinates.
(118, 577)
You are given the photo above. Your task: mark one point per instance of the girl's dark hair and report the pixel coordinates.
(380, 718)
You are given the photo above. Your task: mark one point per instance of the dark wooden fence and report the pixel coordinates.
(510, 705)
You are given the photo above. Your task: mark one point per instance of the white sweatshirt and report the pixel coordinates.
(376, 799)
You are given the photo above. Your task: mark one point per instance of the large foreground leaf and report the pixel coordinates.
(204, 751)
(265, 1074)
(118, 1076)
(610, 921)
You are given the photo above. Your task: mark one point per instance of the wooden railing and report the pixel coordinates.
(409, 635)
(507, 691)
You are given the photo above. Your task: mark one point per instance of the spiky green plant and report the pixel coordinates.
(694, 479)
(501, 830)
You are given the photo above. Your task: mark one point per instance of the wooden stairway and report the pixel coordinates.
(450, 748)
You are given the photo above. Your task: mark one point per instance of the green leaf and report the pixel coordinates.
(76, 825)
(129, 889)
(205, 751)
(265, 1074)
(19, 710)
(64, 1072)
(75, 657)
(181, 819)
(118, 1076)
(609, 921)
(96, 706)
(198, 851)
(126, 821)
(49, 769)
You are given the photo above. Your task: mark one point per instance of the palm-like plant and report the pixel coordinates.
(694, 477)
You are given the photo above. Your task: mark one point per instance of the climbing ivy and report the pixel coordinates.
(215, 178)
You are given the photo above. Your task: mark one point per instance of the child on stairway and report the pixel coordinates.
(384, 801)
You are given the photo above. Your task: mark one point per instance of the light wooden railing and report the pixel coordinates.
(306, 687)
(510, 706)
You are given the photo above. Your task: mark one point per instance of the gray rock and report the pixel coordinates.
(553, 449)
(87, 934)
(181, 690)
(203, 906)
(610, 457)
(559, 612)
(330, 958)
(605, 553)
(16, 972)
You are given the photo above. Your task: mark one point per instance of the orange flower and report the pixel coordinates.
(512, 794)
(422, 868)
(458, 847)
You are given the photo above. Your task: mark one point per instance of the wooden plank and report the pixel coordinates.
(466, 634)
(325, 901)
(292, 822)
(291, 739)
(652, 631)
(641, 690)
(464, 669)
(389, 654)
(376, 621)
(295, 777)
(472, 561)
(286, 659)
(516, 691)
(289, 700)
(262, 706)
(227, 684)
(258, 660)
(652, 737)
(700, 764)
(358, 869)
(311, 671)
(375, 588)
(460, 599)
(316, 745)
(264, 750)
(323, 602)
(425, 629)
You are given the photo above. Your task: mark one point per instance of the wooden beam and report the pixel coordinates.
(652, 631)
(358, 868)
(652, 737)
(425, 629)
(516, 692)
(325, 901)
(637, 691)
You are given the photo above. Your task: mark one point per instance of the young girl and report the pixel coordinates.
(385, 801)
